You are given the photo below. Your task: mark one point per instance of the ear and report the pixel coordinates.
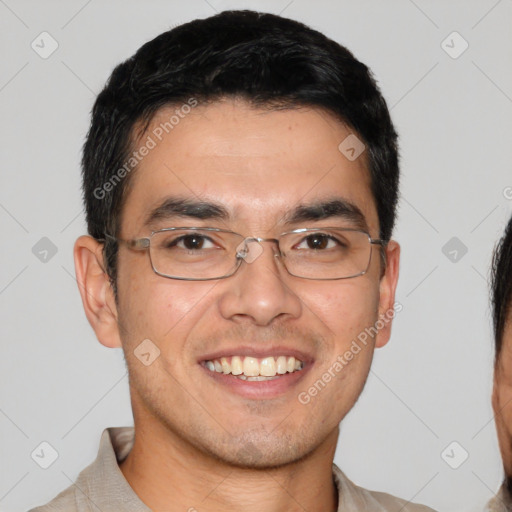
(387, 288)
(96, 291)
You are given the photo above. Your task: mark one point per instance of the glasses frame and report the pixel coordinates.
(144, 243)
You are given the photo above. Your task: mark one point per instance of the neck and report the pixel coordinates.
(169, 474)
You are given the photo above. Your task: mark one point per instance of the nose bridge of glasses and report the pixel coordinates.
(250, 248)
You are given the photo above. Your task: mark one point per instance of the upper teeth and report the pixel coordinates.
(252, 366)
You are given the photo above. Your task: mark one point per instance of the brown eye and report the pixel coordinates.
(318, 241)
(193, 242)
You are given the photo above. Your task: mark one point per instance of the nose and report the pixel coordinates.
(258, 292)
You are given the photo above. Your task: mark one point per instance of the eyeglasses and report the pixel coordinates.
(202, 254)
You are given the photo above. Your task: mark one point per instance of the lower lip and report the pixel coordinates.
(263, 389)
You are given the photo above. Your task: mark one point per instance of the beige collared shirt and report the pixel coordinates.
(502, 502)
(102, 486)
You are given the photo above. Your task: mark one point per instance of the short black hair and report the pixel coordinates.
(501, 286)
(269, 61)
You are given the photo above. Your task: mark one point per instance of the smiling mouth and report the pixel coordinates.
(253, 368)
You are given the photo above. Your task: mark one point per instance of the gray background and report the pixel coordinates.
(430, 386)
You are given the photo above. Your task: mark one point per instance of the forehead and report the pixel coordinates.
(258, 163)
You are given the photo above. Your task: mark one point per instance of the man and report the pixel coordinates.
(502, 393)
(240, 184)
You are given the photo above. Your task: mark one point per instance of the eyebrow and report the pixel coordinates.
(337, 208)
(186, 208)
(321, 210)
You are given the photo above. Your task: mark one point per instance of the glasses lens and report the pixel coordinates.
(331, 253)
(194, 253)
(207, 253)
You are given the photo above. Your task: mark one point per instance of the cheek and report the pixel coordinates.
(151, 306)
(165, 311)
(503, 406)
(347, 307)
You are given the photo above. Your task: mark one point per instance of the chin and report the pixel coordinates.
(262, 454)
(251, 458)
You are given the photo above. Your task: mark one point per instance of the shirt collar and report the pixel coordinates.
(502, 502)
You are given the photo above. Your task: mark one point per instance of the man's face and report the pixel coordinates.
(502, 401)
(259, 166)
